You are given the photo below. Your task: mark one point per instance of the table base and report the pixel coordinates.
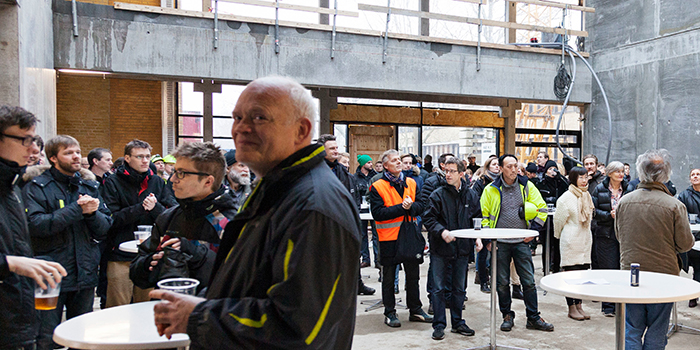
(494, 347)
(377, 303)
(620, 318)
(674, 326)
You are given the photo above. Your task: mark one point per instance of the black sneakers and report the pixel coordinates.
(463, 329)
(507, 324)
(420, 316)
(364, 290)
(540, 325)
(485, 288)
(438, 334)
(392, 320)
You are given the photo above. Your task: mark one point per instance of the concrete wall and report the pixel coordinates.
(182, 48)
(647, 55)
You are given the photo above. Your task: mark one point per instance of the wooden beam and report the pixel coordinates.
(483, 2)
(465, 118)
(296, 7)
(469, 20)
(512, 18)
(558, 5)
(412, 116)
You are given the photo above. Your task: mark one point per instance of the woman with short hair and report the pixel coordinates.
(691, 198)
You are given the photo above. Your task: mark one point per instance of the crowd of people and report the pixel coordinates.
(272, 230)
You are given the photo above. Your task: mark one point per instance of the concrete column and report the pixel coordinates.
(508, 113)
(322, 17)
(326, 103)
(425, 22)
(208, 88)
(9, 55)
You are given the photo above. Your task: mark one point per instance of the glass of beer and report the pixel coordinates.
(147, 228)
(46, 299)
(142, 235)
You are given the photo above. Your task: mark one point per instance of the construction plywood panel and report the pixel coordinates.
(376, 114)
(480, 119)
(369, 140)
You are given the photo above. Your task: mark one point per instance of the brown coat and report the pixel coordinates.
(652, 227)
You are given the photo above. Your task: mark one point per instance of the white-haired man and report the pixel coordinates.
(285, 275)
(652, 242)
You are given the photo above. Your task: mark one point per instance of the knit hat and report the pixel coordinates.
(230, 157)
(169, 159)
(363, 159)
(550, 163)
(531, 167)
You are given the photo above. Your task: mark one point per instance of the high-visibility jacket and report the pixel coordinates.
(389, 230)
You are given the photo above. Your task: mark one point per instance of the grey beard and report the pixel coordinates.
(237, 178)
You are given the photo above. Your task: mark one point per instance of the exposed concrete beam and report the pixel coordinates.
(181, 48)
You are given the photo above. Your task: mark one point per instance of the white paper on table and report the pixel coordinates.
(580, 281)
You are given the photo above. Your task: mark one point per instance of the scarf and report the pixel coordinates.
(394, 179)
(493, 176)
(584, 203)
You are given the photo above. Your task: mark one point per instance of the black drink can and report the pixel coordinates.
(634, 275)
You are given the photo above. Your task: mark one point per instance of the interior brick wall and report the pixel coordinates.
(135, 113)
(83, 110)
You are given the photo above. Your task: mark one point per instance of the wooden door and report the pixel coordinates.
(371, 140)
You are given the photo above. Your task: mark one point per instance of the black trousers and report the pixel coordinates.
(608, 253)
(412, 271)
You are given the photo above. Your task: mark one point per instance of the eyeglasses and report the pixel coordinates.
(26, 140)
(180, 174)
(450, 171)
(142, 157)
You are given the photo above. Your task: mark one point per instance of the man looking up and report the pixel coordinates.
(100, 160)
(66, 217)
(590, 163)
(471, 158)
(286, 272)
(18, 271)
(136, 196)
(237, 179)
(392, 197)
(502, 206)
(452, 207)
(363, 176)
(203, 211)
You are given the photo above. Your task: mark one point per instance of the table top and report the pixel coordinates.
(653, 287)
(696, 246)
(366, 216)
(121, 327)
(494, 233)
(695, 227)
(130, 246)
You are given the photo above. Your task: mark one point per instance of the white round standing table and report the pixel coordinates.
(494, 234)
(653, 288)
(130, 246)
(696, 246)
(122, 327)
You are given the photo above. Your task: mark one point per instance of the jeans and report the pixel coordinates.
(364, 246)
(521, 256)
(608, 252)
(652, 318)
(76, 303)
(412, 271)
(458, 277)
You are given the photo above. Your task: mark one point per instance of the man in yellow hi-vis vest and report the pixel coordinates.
(391, 197)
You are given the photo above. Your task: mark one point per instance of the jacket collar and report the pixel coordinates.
(498, 182)
(10, 173)
(129, 174)
(219, 200)
(654, 186)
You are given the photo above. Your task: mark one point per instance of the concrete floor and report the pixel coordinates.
(596, 333)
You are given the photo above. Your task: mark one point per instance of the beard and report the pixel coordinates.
(68, 167)
(238, 178)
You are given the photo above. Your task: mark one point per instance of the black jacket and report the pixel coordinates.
(60, 230)
(199, 225)
(364, 181)
(669, 186)
(605, 224)
(552, 188)
(18, 319)
(124, 193)
(481, 183)
(238, 196)
(286, 272)
(451, 210)
(594, 180)
(342, 173)
(432, 183)
(691, 199)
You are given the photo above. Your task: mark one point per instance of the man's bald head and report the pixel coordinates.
(272, 120)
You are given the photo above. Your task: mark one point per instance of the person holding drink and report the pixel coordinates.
(18, 323)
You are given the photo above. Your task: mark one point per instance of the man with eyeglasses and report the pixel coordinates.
(67, 219)
(19, 272)
(136, 196)
(185, 238)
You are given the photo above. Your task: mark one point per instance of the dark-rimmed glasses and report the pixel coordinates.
(26, 140)
(180, 174)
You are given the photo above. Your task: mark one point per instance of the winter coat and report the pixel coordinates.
(594, 180)
(199, 225)
(124, 193)
(434, 181)
(364, 181)
(286, 272)
(691, 198)
(669, 186)
(60, 230)
(491, 202)
(414, 173)
(603, 207)
(652, 227)
(238, 196)
(575, 236)
(451, 210)
(552, 188)
(18, 319)
(347, 180)
(481, 183)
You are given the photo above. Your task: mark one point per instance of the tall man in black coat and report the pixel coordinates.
(18, 271)
(135, 195)
(67, 220)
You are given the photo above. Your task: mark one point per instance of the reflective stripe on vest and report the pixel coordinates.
(389, 230)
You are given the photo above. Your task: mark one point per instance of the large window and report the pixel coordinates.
(536, 131)
(190, 120)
